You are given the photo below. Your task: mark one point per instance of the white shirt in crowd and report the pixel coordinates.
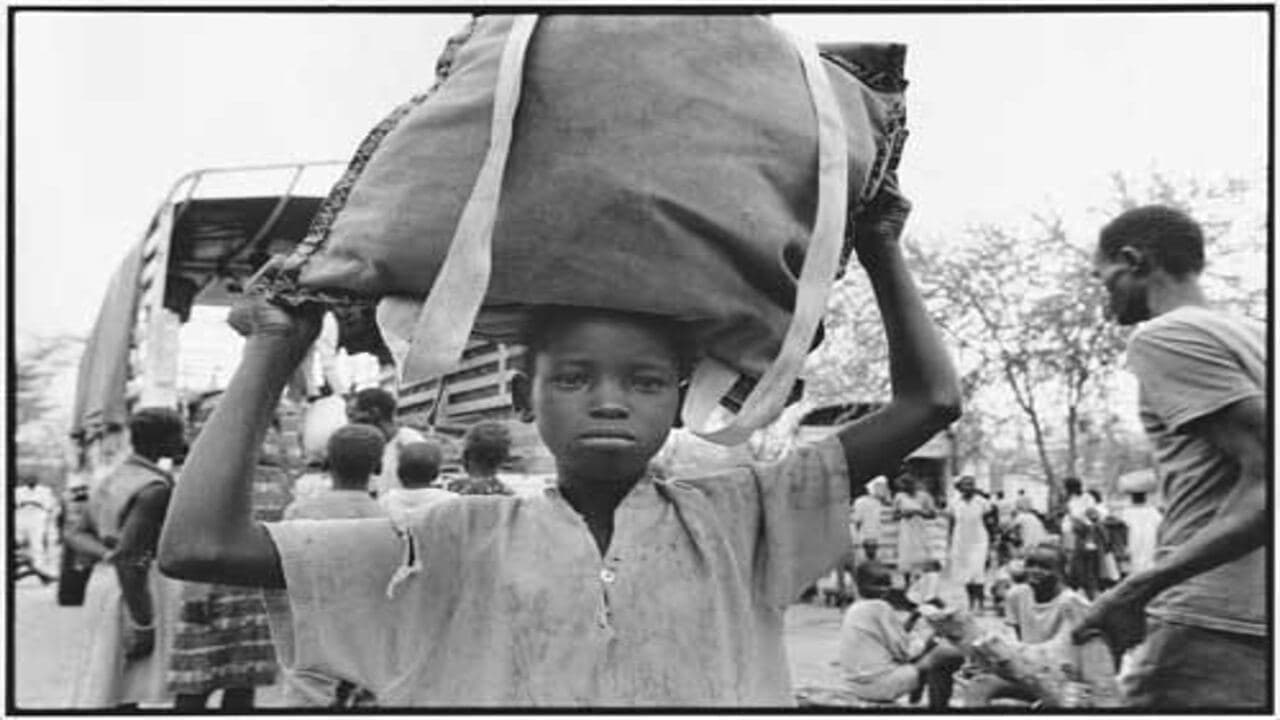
(1143, 522)
(404, 504)
(388, 478)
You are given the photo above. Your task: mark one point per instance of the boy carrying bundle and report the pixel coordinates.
(610, 588)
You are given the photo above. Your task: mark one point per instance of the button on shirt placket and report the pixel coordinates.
(604, 610)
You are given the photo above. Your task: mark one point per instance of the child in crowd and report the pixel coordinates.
(486, 447)
(607, 589)
(418, 468)
(355, 455)
(882, 660)
(1043, 607)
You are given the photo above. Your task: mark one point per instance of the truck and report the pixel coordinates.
(211, 231)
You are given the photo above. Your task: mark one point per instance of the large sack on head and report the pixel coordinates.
(701, 168)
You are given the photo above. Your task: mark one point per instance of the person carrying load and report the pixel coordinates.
(610, 588)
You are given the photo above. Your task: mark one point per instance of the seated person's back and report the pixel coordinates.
(882, 660)
(486, 447)
(355, 454)
(418, 468)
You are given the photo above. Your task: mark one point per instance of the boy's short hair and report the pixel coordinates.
(540, 321)
(419, 464)
(355, 451)
(870, 570)
(1059, 553)
(376, 400)
(1169, 236)
(150, 427)
(487, 444)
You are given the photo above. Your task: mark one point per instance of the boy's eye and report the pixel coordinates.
(649, 383)
(569, 380)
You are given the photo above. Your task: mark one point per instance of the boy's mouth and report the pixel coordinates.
(607, 438)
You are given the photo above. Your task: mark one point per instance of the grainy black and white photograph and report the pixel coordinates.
(866, 359)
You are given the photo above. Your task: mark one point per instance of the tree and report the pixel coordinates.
(1020, 301)
(41, 421)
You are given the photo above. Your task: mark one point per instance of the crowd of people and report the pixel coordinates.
(156, 642)
(1033, 571)
(1176, 593)
(551, 597)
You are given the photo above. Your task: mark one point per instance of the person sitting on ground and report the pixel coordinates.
(418, 469)
(355, 455)
(1043, 606)
(881, 659)
(485, 448)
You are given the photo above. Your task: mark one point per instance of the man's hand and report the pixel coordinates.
(139, 642)
(255, 316)
(1118, 615)
(879, 226)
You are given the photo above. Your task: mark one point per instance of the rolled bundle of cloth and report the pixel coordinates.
(1057, 672)
(700, 168)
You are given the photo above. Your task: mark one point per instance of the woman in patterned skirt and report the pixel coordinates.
(223, 640)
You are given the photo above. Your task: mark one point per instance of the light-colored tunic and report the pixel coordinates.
(1040, 622)
(913, 538)
(104, 679)
(969, 542)
(509, 602)
(336, 504)
(876, 652)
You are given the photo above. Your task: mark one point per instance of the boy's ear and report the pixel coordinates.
(1136, 259)
(522, 396)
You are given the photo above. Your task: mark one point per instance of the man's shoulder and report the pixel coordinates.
(1072, 599)
(1193, 322)
(866, 608)
(138, 470)
(405, 435)
(1018, 593)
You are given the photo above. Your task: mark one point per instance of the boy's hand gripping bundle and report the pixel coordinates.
(703, 168)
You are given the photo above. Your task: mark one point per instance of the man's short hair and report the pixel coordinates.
(419, 464)
(487, 444)
(378, 401)
(355, 451)
(151, 427)
(1168, 236)
(1072, 483)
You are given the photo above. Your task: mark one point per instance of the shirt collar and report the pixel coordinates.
(641, 494)
(145, 463)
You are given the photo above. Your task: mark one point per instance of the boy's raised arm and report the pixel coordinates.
(209, 533)
(926, 392)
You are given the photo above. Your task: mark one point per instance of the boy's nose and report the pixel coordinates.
(609, 401)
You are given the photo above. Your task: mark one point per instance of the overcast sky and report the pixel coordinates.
(1008, 112)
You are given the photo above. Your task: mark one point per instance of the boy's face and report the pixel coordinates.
(1042, 568)
(604, 394)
